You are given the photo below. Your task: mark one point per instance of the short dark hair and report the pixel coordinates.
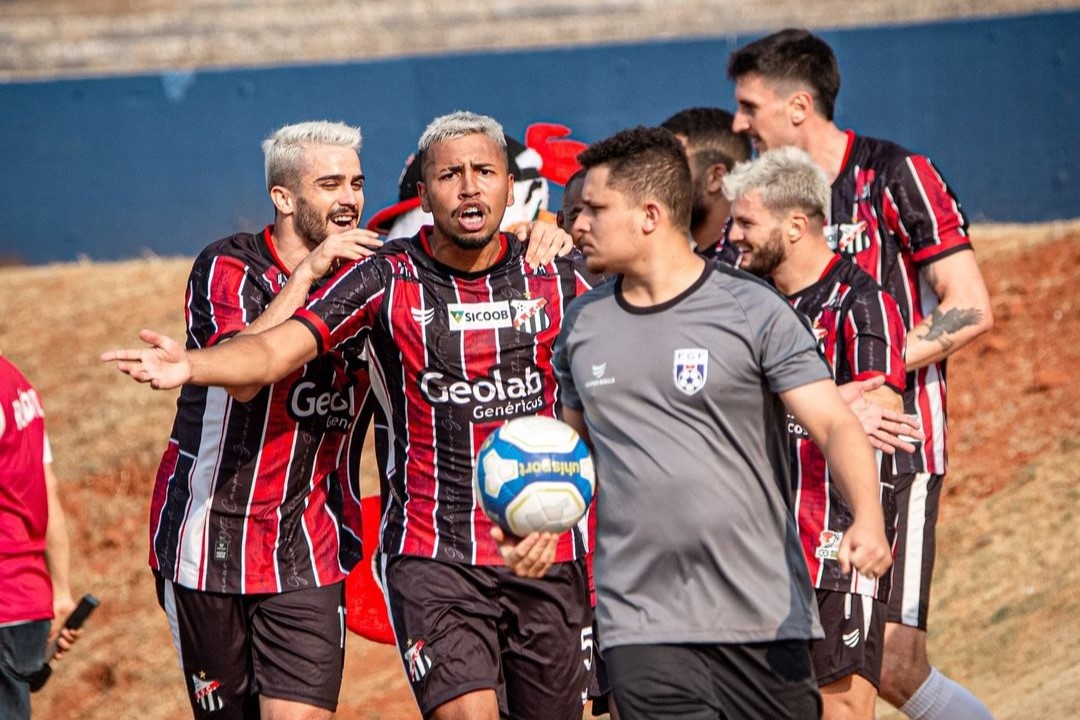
(578, 176)
(708, 132)
(646, 162)
(796, 56)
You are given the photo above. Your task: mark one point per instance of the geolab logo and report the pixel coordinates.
(332, 409)
(848, 238)
(502, 394)
(479, 316)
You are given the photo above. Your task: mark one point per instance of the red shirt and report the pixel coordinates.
(25, 586)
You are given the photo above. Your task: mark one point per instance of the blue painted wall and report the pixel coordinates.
(108, 168)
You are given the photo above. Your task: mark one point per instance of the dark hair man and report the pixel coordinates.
(712, 149)
(571, 204)
(678, 373)
(458, 330)
(894, 216)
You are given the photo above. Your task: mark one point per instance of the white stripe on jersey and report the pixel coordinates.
(380, 388)
(251, 495)
(913, 552)
(926, 200)
(303, 520)
(191, 547)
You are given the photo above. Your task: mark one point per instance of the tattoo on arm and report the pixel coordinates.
(940, 325)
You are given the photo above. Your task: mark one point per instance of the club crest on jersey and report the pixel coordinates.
(530, 316)
(848, 238)
(205, 692)
(828, 545)
(479, 316)
(417, 662)
(691, 369)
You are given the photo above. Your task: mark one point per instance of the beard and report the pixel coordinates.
(309, 224)
(699, 207)
(471, 242)
(765, 260)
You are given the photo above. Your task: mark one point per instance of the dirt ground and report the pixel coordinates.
(1005, 617)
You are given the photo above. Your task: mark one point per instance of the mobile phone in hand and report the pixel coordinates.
(74, 621)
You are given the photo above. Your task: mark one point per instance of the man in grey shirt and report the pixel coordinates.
(679, 373)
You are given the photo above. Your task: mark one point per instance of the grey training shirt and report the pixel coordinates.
(695, 542)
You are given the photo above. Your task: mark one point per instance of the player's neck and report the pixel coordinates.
(449, 253)
(802, 267)
(827, 145)
(668, 270)
(289, 246)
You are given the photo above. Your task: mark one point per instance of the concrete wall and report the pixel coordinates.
(111, 167)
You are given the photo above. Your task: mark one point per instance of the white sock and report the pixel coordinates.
(940, 698)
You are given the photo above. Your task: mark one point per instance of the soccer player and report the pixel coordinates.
(458, 330)
(34, 545)
(252, 527)
(893, 214)
(703, 597)
(779, 205)
(571, 204)
(712, 149)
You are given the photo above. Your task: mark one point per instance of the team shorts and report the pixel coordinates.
(749, 681)
(234, 648)
(462, 628)
(918, 497)
(599, 686)
(854, 641)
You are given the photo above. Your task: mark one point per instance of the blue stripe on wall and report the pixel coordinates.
(109, 168)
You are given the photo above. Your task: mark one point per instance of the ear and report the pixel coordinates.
(283, 199)
(421, 190)
(509, 190)
(797, 225)
(800, 106)
(654, 215)
(715, 178)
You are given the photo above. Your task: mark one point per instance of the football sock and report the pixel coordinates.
(940, 698)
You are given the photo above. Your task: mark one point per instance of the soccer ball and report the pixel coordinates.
(534, 474)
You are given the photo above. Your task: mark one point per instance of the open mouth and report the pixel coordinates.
(472, 218)
(344, 219)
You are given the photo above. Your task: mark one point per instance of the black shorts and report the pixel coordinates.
(752, 681)
(462, 628)
(854, 641)
(234, 648)
(918, 497)
(599, 687)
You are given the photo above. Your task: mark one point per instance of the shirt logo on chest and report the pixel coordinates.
(691, 369)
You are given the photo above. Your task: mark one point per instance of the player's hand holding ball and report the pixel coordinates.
(535, 479)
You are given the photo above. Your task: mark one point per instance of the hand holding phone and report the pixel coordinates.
(74, 621)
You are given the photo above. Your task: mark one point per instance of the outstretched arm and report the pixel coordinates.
(819, 408)
(258, 359)
(963, 313)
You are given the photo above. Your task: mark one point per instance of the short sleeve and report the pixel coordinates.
(875, 339)
(560, 361)
(221, 298)
(925, 210)
(347, 304)
(787, 348)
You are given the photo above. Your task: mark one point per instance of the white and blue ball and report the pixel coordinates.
(534, 474)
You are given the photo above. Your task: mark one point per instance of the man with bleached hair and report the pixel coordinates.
(457, 326)
(779, 205)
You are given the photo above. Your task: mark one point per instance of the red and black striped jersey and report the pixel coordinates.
(723, 250)
(452, 356)
(893, 213)
(257, 496)
(861, 333)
